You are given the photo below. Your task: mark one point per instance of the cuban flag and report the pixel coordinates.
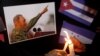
(2, 37)
(78, 10)
(83, 35)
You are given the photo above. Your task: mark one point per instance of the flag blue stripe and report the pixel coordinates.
(83, 12)
(79, 30)
(81, 1)
(75, 18)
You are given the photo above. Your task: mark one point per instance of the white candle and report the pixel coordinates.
(70, 44)
(71, 50)
(66, 44)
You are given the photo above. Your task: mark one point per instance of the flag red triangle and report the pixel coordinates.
(66, 5)
(2, 37)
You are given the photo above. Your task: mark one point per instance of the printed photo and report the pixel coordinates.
(30, 21)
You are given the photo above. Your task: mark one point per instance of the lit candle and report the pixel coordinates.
(71, 50)
(66, 44)
(70, 44)
(67, 36)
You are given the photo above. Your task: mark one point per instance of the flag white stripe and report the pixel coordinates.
(80, 15)
(81, 38)
(81, 6)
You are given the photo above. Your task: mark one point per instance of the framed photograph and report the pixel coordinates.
(30, 21)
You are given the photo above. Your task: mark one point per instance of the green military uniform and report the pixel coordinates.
(22, 34)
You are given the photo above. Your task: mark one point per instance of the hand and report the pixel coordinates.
(44, 10)
(78, 46)
(56, 52)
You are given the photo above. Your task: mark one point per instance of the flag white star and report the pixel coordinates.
(65, 4)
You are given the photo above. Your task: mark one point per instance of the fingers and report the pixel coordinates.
(46, 6)
(44, 10)
(57, 52)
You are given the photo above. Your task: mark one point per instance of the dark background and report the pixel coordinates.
(38, 47)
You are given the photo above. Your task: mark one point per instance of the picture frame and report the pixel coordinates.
(36, 22)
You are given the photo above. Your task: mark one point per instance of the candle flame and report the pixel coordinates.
(68, 41)
(67, 35)
(68, 38)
